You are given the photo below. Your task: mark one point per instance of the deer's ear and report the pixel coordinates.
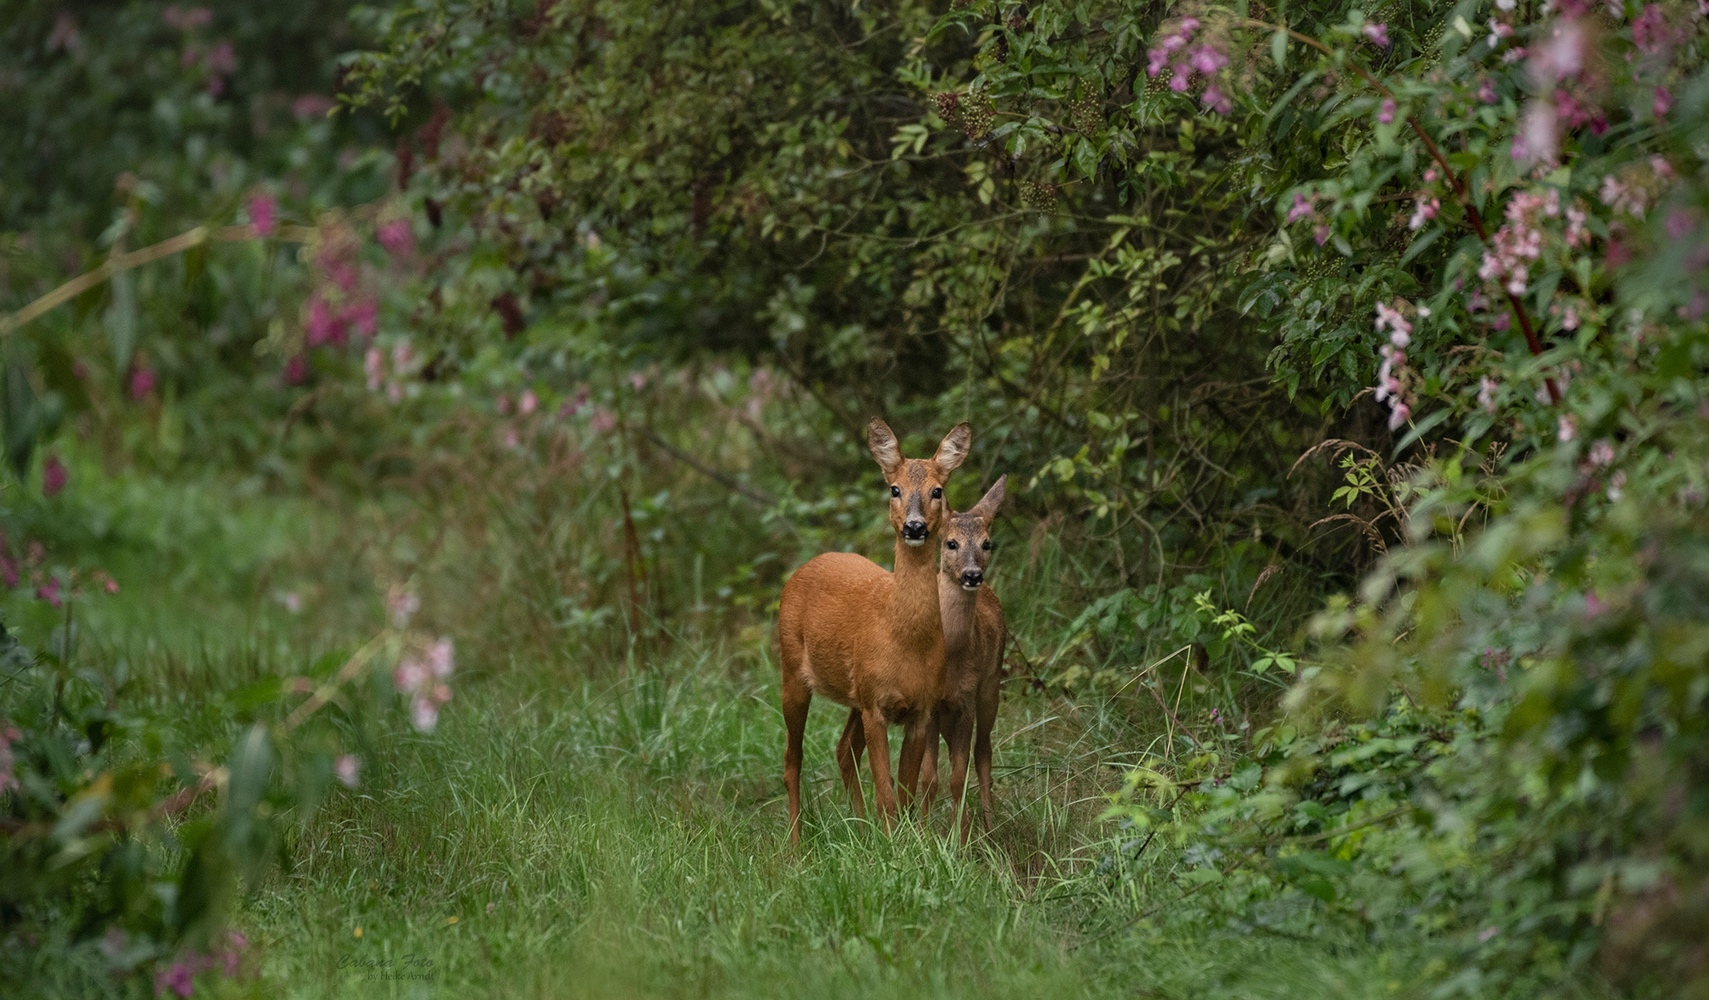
(882, 443)
(987, 506)
(953, 450)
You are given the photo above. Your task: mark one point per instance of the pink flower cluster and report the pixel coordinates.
(423, 677)
(263, 213)
(1424, 209)
(1185, 61)
(180, 976)
(1392, 375)
(1519, 241)
(403, 367)
(1305, 207)
(1378, 34)
(338, 303)
(1559, 66)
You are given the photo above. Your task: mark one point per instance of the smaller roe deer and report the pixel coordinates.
(870, 639)
(974, 634)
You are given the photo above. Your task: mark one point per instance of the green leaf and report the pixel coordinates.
(120, 320)
(1279, 48)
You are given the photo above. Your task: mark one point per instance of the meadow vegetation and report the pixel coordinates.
(394, 519)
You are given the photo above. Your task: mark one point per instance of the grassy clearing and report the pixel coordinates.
(577, 827)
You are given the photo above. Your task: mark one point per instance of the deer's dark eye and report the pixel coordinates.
(895, 491)
(986, 545)
(937, 493)
(952, 545)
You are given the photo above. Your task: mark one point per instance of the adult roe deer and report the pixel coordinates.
(974, 635)
(871, 639)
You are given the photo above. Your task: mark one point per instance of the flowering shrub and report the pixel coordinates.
(129, 860)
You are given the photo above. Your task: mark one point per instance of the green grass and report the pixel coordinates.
(579, 827)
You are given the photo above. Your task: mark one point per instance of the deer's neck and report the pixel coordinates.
(914, 613)
(957, 607)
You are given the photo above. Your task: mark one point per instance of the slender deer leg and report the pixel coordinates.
(920, 728)
(797, 698)
(961, 736)
(849, 746)
(878, 756)
(989, 693)
(929, 765)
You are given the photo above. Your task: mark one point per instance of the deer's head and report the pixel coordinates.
(916, 485)
(967, 539)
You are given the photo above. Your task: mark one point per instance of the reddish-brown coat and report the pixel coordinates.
(869, 638)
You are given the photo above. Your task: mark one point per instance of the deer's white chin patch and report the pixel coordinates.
(914, 543)
(970, 589)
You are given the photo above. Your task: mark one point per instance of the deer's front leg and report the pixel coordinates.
(878, 755)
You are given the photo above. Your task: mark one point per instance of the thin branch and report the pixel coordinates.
(119, 263)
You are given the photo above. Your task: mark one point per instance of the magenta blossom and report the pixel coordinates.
(397, 237)
(1302, 209)
(1216, 100)
(296, 370)
(142, 382)
(54, 476)
(1662, 102)
(348, 770)
(1387, 113)
(263, 209)
(1378, 34)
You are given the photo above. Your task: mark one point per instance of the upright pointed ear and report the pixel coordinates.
(882, 443)
(952, 451)
(986, 508)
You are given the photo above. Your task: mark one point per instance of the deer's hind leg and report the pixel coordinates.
(849, 747)
(797, 699)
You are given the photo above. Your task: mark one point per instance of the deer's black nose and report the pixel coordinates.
(972, 578)
(914, 530)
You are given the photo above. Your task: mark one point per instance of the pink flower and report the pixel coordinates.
(1486, 91)
(1393, 320)
(322, 326)
(398, 237)
(1301, 209)
(263, 209)
(1399, 415)
(49, 592)
(1386, 114)
(1180, 78)
(54, 476)
(1487, 388)
(1650, 30)
(1320, 235)
(348, 770)
(638, 380)
(178, 978)
(9, 570)
(1214, 99)
(1378, 34)
(296, 370)
(440, 657)
(528, 403)
(603, 420)
(1601, 453)
(110, 585)
(1562, 54)
(1566, 428)
(142, 382)
(401, 604)
(411, 674)
(374, 365)
(1662, 102)
(424, 714)
(1424, 210)
(1207, 60)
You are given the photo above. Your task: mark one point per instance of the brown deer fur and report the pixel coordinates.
(870, 639)
(974, 635)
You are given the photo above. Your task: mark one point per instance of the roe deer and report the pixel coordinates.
(974, 635)
(870, 639)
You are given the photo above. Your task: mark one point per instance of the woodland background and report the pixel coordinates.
(395, 514)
